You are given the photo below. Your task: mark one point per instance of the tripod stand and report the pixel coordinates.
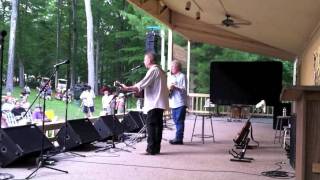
(135, 118)
(41, 162)
(116, 129)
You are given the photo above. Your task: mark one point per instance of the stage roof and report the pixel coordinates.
(279, 28)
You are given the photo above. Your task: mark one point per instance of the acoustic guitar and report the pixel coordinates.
(243, 134)
(136, 94)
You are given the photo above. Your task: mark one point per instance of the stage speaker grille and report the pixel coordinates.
(76, 133)
(21, 141)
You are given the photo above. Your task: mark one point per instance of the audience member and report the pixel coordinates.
(120, 103)
(87, 97)
(108, 102)
(18, 110)
(38, 115)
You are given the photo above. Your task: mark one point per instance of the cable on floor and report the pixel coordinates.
(277, 174)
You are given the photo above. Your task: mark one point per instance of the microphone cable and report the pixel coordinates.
(277, 174)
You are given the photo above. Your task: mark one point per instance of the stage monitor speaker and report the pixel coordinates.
(21, 141)
(133, 121)
(108, 126)
(76, 133)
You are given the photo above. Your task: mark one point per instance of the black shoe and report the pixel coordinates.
(148, 153)
(175, 142)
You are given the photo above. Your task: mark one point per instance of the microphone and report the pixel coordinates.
(137, 67)
(61, 63)
(3, 34)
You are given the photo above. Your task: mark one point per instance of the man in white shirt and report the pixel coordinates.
(87, 97)
(155, 101)
(178, 100)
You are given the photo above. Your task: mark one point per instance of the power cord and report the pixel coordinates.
(277, 174)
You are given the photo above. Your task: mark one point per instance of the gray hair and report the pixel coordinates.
(177, 63)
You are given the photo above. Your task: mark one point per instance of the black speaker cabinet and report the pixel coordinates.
(76, 133)
(133, 121)
(152, 42)
(108, 126)
(21, 141)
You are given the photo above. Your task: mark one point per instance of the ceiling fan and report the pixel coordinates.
(232, 21)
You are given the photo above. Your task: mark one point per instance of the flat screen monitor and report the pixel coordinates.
(245, 82)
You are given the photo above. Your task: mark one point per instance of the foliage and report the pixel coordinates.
(119, 28)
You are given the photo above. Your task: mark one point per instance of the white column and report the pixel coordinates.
(294, 76)
(170, 45)
(188, 67)
(163, 57)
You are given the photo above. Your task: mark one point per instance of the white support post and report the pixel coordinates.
(163, 57)
(188, 68)
(170, 45)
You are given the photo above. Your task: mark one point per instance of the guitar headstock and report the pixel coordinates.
(117, 84)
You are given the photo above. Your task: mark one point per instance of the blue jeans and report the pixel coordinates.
(179, 115)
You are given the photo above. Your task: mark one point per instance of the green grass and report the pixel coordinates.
(59, 107)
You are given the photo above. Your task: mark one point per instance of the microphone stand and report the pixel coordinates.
(2, 35)
(41, 160)
(66, 134)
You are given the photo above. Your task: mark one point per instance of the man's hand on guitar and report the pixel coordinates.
(123, 87)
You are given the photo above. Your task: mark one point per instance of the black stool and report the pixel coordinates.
(202, 135)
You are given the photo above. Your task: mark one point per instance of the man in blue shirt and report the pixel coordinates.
(178, 100)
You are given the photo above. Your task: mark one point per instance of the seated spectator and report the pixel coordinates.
(38, 115)
(24, 103)
(18, 110)
(8, 104)
(9, 97)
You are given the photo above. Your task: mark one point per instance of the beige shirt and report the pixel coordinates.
(155, 89)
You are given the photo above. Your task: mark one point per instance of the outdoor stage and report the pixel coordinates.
(189, 161)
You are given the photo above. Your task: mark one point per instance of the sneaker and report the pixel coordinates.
(175, 142)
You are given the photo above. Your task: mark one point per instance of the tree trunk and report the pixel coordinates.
(21, 73)
(90, 48)
(98, 38)
(13, 26)
(58, 38)
(97, 65)
(73, 70)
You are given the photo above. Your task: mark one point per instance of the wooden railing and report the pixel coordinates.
(198, 102)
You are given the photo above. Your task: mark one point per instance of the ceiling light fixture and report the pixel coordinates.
(188, 6)
(198, 15)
